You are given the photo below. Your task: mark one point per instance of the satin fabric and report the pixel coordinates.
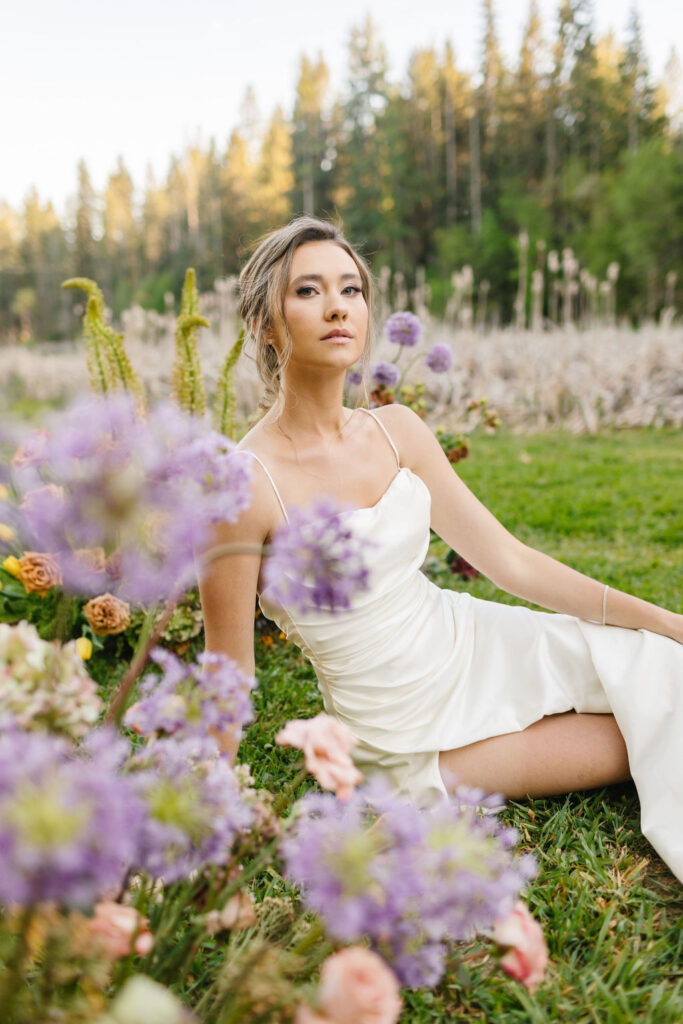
(413, 669)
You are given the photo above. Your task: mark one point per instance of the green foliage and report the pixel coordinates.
(225, 400)
(188, 382)
(108, 363)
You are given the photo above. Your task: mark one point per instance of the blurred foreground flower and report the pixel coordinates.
(206, 697)
(325, 743)
(144, 1001)
(194, 807)
(315, 561)
(43, 685)
(67, 830)
(148, 490)
(521, 935)
(410, 880)
(356, 987)
(120, 930)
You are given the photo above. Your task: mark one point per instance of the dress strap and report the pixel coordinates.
(384, 431)
(265, 469)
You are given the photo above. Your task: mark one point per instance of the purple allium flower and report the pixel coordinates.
(440, 358)
(408, 879)
(67, 831)
(403, 329)
(192, 700)
(354, 377)
(386, 374)
(315, 561)
(147, 489)
(194, 807)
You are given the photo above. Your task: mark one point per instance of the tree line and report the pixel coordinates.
(572, 144)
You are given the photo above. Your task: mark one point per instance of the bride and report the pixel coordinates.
(432, 682)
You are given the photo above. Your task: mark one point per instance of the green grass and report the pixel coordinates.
(611, 506)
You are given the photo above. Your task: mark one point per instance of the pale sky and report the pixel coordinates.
(144, 78)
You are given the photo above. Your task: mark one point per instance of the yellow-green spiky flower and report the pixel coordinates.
(225, 400)
(188, 383)
(108, 364)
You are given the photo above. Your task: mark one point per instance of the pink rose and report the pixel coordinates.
(121, 929)
(326, 744)
(527, 955)
(356, 987)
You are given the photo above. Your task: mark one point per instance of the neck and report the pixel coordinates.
(312, 404)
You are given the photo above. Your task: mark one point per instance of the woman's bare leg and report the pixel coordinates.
(557, 754)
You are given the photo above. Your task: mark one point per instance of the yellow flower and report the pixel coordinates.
(84, 647)
(3, 492)
(6, 533)
(11, 565)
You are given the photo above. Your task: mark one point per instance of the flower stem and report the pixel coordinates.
(149, 636)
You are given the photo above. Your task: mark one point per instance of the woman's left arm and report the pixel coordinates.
(460, 519)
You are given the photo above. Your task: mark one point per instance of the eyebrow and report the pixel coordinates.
(319, 277)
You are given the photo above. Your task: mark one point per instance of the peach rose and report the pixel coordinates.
(121, 930)
(107, 615)
(326, 744)
(39, 572)
(356, 987)
(527, 955)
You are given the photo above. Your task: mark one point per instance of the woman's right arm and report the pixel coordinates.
(227, 587)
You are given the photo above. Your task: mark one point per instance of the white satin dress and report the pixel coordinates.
(413, 669)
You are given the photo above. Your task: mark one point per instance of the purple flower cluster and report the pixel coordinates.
(66, 831)
(403, 329)
(194, 808)
(148, 490)
(385, 374)
(408, 879)
(440, 358)
(354, 377)
(315, 561)
(212, 694)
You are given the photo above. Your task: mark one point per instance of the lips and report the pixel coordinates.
(336, 334)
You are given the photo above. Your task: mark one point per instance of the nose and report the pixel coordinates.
(337, 309)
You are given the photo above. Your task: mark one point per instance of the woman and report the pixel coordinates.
(432, 682)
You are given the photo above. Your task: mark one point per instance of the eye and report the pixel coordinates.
(305, 288)
(353, 288)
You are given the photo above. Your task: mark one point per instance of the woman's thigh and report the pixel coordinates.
(557, 754)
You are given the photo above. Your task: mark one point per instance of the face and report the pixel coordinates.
(325, 309)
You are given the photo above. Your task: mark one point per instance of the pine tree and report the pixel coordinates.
(275, 177)
(310, 144)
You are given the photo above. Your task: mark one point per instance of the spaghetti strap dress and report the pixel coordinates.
(413, 669)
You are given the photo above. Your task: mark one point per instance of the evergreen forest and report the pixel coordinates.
(572, 145)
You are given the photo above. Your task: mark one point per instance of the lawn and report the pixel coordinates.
(610, 506)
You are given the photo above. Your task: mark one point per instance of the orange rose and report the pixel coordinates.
(107, 615)
(39, 572)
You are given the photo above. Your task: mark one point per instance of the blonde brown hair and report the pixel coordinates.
(263, 286)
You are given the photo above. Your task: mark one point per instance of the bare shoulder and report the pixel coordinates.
(409, 433)
(263, 513)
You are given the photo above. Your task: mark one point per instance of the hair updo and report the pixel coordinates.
(263, 286)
